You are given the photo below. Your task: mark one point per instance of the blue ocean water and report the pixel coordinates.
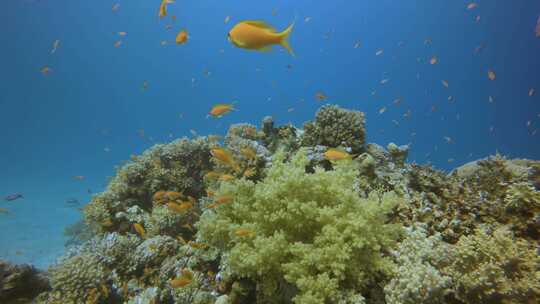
(91, 112)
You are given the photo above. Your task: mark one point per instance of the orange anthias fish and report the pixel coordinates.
(185, 279)
(45, 70)
(260, 36)
(243, 232)
(182, 37)
(224, 156)
(321, 96)
(163, 8)
(221, 109)
(336, 154)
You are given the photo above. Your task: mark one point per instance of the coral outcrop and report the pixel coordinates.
(265, 217)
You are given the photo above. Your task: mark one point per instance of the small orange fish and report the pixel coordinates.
(45, 70)
(382, 110)
(118, 43)
(163, 8)
(197, 245)
(182, 37)
(491, 75)
(433, 60)
(223, 199)
(179, 208)
(224, 156)
(321, 96)
(249, 172)
(212, 175)
(173, 195)
(140, 229)
(180, 282)
(4, 211)
(243, 232)
(78, 177)
(159, 196)
(116, 7)
(226, 178)
(122, 34)
(227, 19)
(210, 193)
(221, 109)
(333, 154)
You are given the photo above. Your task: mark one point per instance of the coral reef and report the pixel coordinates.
(20, 283)
(266, 217)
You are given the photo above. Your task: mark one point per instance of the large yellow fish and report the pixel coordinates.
(260, 36)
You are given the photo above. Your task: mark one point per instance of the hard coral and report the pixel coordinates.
(313, 238)
(335, 127)
(178, 166)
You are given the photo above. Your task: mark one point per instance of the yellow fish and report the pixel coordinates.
(140, 229)
(336, 154)
(4, 211)
(260, 36)
(163, 8)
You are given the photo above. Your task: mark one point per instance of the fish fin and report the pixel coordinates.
(265, 49)
(285, 38)
(261, 24)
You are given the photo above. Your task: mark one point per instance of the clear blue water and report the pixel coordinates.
(58, 126)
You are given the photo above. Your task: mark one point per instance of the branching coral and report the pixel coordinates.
(306, 232)
(496, 268)
(335, 127)
(522, 197)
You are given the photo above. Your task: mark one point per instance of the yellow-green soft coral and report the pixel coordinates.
(496, 268)
(304, 236)
(522, 196)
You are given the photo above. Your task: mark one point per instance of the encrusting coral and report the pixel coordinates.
(309, 235)
(266, 217)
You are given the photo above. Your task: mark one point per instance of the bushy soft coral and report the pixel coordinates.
(311, 233)
(522, 197)
(494, 268)
(335, 127)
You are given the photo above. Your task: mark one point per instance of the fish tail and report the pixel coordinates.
(284, 42)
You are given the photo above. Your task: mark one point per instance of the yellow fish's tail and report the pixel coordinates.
(284, 42)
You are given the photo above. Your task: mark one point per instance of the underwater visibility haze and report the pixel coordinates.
(270, 152)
